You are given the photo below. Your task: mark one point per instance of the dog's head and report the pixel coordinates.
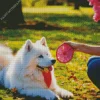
(37, 55)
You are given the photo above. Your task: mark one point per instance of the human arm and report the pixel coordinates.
(81, 47)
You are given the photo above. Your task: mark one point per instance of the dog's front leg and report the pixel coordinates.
(43, 93)
(62, 93)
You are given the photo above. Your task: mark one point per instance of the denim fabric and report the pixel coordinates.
(94, 70)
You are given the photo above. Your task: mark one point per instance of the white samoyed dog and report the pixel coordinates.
(31, 71)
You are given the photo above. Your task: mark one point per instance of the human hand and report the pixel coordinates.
(74, 45)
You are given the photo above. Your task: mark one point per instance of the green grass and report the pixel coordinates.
(80, 28)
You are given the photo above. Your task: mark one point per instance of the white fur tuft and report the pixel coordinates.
(5, 56)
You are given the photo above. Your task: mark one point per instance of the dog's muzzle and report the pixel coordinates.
(46, 69)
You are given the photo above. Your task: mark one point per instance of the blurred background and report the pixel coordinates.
(10, 9)
(76, 3)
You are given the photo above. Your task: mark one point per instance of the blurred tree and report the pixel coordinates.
(76, 4)
(51, 2)
(56, 2)
(11, 12)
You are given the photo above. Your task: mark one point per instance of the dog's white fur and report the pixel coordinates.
(21, 72)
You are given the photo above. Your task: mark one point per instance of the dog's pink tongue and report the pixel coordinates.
(47, 77)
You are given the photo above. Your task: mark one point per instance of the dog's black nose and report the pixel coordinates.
(53, 61)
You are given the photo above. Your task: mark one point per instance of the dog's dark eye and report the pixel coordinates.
(40, 56)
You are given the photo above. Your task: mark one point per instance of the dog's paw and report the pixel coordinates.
(50, 96)
(64, 94)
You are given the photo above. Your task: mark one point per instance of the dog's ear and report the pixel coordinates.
(28, 45)
(43, 41)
